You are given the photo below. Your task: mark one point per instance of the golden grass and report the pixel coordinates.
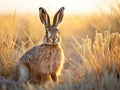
(101, 54)
(92, 58)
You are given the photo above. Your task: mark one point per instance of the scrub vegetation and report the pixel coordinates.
(91, 44)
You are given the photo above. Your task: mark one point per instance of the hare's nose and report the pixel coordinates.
(54, 39)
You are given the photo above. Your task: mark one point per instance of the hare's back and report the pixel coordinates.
(31, 54)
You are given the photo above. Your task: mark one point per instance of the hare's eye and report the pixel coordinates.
(58, 31)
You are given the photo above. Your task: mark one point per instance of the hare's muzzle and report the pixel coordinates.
(54, 40)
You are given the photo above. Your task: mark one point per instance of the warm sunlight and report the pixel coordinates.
(60, 44)
(72, 6)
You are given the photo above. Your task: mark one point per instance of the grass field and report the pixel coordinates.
(91, 44)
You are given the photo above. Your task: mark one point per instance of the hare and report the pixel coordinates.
(43, 62)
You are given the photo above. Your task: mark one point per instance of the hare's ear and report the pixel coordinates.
(44, 17)
(58, 16)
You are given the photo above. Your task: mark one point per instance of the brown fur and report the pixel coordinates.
(42, 62)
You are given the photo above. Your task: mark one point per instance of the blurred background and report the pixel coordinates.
(81, 17)
(20, 24)
(73, 6)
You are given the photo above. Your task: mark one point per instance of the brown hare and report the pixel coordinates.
(42, 62)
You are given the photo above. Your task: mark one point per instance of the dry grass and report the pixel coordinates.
(92, 58)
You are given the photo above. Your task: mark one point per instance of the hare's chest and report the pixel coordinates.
(49, 54)
(49, 60)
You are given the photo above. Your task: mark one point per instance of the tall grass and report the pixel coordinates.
(92, 55)
(7, 54)
(99, 69)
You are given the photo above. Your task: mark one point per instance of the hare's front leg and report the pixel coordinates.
(54, 77)
(21, 73)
